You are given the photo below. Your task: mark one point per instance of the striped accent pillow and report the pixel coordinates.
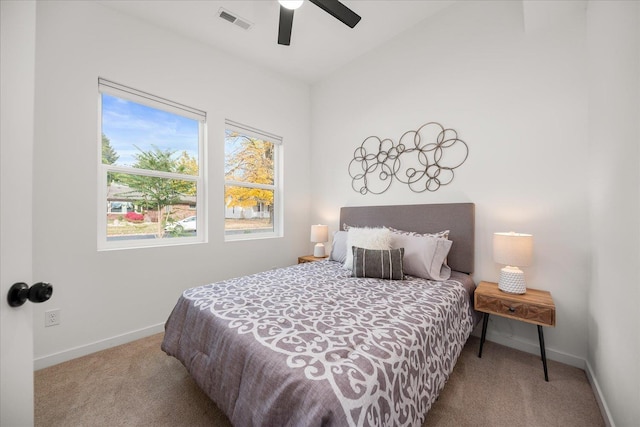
(378, 263)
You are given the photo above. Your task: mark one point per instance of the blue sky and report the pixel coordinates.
(128, 124)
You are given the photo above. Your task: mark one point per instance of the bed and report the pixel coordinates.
(310, 345)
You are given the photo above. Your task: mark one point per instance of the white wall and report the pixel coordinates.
(614, 139)
(111, 297)
(519, 100)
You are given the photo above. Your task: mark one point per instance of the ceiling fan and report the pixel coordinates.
(332, 7)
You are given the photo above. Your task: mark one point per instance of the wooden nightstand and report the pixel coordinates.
(310, 258)
(534, 306)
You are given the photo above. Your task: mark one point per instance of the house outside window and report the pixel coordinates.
(252, 193)
(150, 170)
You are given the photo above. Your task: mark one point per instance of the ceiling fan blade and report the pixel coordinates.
(338, 11)
(286, 23)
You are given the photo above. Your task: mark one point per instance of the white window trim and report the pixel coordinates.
(276, 186)
(140, 97)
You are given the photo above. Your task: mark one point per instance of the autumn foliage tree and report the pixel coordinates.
(189, 165)
(248, 160)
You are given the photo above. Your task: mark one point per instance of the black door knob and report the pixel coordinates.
(20, 292)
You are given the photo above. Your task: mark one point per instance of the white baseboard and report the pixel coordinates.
(602, 403)
(534, 348)
(63, 356)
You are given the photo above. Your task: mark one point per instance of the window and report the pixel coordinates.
(151, 186)
(252, 184)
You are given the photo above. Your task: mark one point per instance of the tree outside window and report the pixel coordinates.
(251, 187)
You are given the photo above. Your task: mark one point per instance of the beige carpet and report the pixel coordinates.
(136, 384)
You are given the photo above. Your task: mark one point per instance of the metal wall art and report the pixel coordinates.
(424, 159)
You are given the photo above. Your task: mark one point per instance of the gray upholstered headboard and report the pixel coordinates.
(457, 217)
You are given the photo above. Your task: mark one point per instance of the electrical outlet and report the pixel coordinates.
(52, 317)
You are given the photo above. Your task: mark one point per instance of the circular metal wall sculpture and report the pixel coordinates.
(424, 159)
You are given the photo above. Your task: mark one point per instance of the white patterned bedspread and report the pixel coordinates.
(309, 345)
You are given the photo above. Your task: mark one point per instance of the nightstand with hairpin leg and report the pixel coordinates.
(534, 306)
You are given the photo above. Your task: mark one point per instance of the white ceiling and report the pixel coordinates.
(320, 43)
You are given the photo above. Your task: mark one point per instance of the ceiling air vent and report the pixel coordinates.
(234, 19)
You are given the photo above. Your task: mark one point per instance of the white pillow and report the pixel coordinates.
(367, 238)
(424, 256)
(339, 247)
(444, 234)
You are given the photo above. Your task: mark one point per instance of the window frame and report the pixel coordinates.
(276, 187)
(163, 104)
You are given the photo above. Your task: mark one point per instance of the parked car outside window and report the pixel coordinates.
(187, 224)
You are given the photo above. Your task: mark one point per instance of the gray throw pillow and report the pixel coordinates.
(378, 263)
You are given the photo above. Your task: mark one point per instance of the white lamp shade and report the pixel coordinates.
(319, 233)
(513, 249)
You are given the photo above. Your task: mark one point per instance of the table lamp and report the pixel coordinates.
(319, 235)
(512, 250)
